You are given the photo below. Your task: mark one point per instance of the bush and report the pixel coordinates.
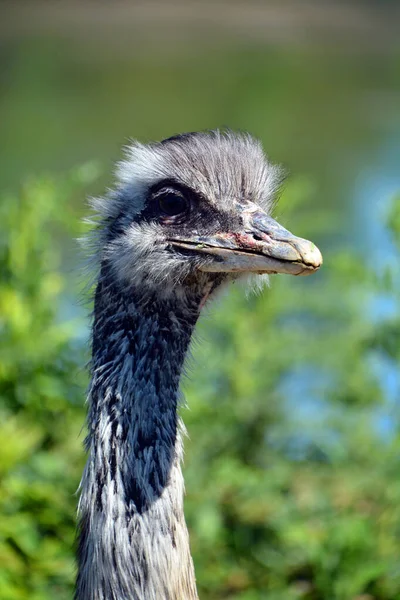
(292, 463)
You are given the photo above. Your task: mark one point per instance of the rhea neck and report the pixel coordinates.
(139, 345)
(133, 540)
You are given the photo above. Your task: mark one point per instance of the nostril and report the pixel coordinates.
(257, 237)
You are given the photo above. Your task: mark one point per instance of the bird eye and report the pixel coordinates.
(172, 204)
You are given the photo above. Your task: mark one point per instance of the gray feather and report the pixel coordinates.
(133, 541)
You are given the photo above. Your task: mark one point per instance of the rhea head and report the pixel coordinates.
(192, 212)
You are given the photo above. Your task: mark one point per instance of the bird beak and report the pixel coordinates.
(263, 246)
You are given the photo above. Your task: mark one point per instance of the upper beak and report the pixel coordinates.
(263, 246)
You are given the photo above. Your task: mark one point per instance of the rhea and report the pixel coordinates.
(187, 215)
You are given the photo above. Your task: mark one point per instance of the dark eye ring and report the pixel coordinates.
(172, 204)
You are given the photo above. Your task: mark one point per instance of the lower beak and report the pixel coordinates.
(263, 246)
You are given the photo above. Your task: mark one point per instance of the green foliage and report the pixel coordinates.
(292, 482)
(41, 394)
(292, 485)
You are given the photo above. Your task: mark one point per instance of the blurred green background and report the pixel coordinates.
(292, 466)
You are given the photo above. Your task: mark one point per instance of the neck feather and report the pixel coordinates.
(133, 539)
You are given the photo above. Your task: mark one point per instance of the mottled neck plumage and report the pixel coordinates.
(133, 538)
